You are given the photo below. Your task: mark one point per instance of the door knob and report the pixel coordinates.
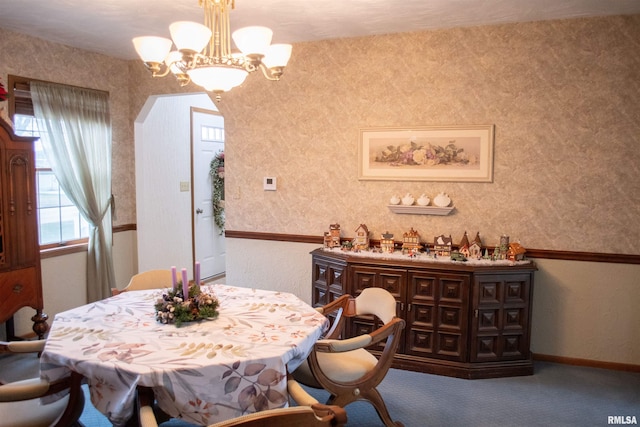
(199, 211)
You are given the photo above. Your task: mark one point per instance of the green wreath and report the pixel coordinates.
(216, 172)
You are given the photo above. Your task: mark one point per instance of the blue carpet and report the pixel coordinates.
(558, 395)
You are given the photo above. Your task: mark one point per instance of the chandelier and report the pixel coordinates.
(203, 52)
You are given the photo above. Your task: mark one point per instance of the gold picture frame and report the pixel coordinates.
(427, 153)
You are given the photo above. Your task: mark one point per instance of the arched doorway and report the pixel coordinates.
(167, 179)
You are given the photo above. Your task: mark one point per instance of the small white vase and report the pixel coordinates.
(423, 200)
(442, 200)
(408, 200)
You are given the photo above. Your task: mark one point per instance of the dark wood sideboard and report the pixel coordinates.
(20, 274)
(462, 320)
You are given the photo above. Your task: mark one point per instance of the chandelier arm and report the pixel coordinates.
(272, 74)
(157, 69)
(190, 61)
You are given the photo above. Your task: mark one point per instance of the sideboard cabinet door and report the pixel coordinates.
(328, 276)
(500, 327)
(437, 314)
(391, 279)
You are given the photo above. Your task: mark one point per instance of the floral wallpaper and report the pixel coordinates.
(564, 97)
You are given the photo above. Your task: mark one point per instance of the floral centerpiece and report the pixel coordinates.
(174, 308)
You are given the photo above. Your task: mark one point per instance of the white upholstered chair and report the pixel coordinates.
(152, 279)
(20, 401)
(344, 367)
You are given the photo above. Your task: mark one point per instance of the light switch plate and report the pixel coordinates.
(184, 185)
(270, 183)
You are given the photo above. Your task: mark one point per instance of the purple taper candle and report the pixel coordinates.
(185, 284)
(197, 274)
(174, 277)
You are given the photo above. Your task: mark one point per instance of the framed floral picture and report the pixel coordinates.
(434, 153)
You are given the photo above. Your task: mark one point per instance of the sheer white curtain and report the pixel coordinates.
(77, 143)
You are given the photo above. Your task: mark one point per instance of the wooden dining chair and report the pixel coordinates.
(308, 413)
(21, 403)
(151, 279)
(344, 367)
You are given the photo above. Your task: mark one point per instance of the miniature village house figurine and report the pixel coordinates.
(410, 242)
(475, 248)
(515, 252)
(467, 250)
(332, 237)
(361, 241)
(387, 245)
(442, 245)
(463, 247)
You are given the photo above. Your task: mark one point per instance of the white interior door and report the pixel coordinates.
(207, 140)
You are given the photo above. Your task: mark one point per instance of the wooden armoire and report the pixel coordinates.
(20, 276)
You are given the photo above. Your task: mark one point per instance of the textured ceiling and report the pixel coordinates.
(107, 26)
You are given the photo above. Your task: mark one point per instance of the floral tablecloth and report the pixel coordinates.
(202, 372)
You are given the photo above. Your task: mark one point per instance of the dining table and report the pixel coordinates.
(202, 372)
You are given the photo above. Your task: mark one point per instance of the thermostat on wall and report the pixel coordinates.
(270, 183)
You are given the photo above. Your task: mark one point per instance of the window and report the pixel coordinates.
(59, 221)
(212, 133)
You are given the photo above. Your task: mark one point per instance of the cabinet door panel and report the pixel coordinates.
(421, 299)
(362, 325)
(320, 294)
(320, 270)
(500, 327)
(454, 289)
(420, 342)
(486, 348)
(389, 279)
(21, 223)
(488, 320)
(362, 279)
(327, 282)
(438, 308)
(336, 276)
(514, 319)
(513, 346)
(451, 345)
(421, 315)
(489, 293)
(516, 290)
(450, 318)
(392, 280)
(19, 288)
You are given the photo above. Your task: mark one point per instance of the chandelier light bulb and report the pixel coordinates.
(277, 55)
(218, 78)
(190, 36)
(253, 40)
(152, 49)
